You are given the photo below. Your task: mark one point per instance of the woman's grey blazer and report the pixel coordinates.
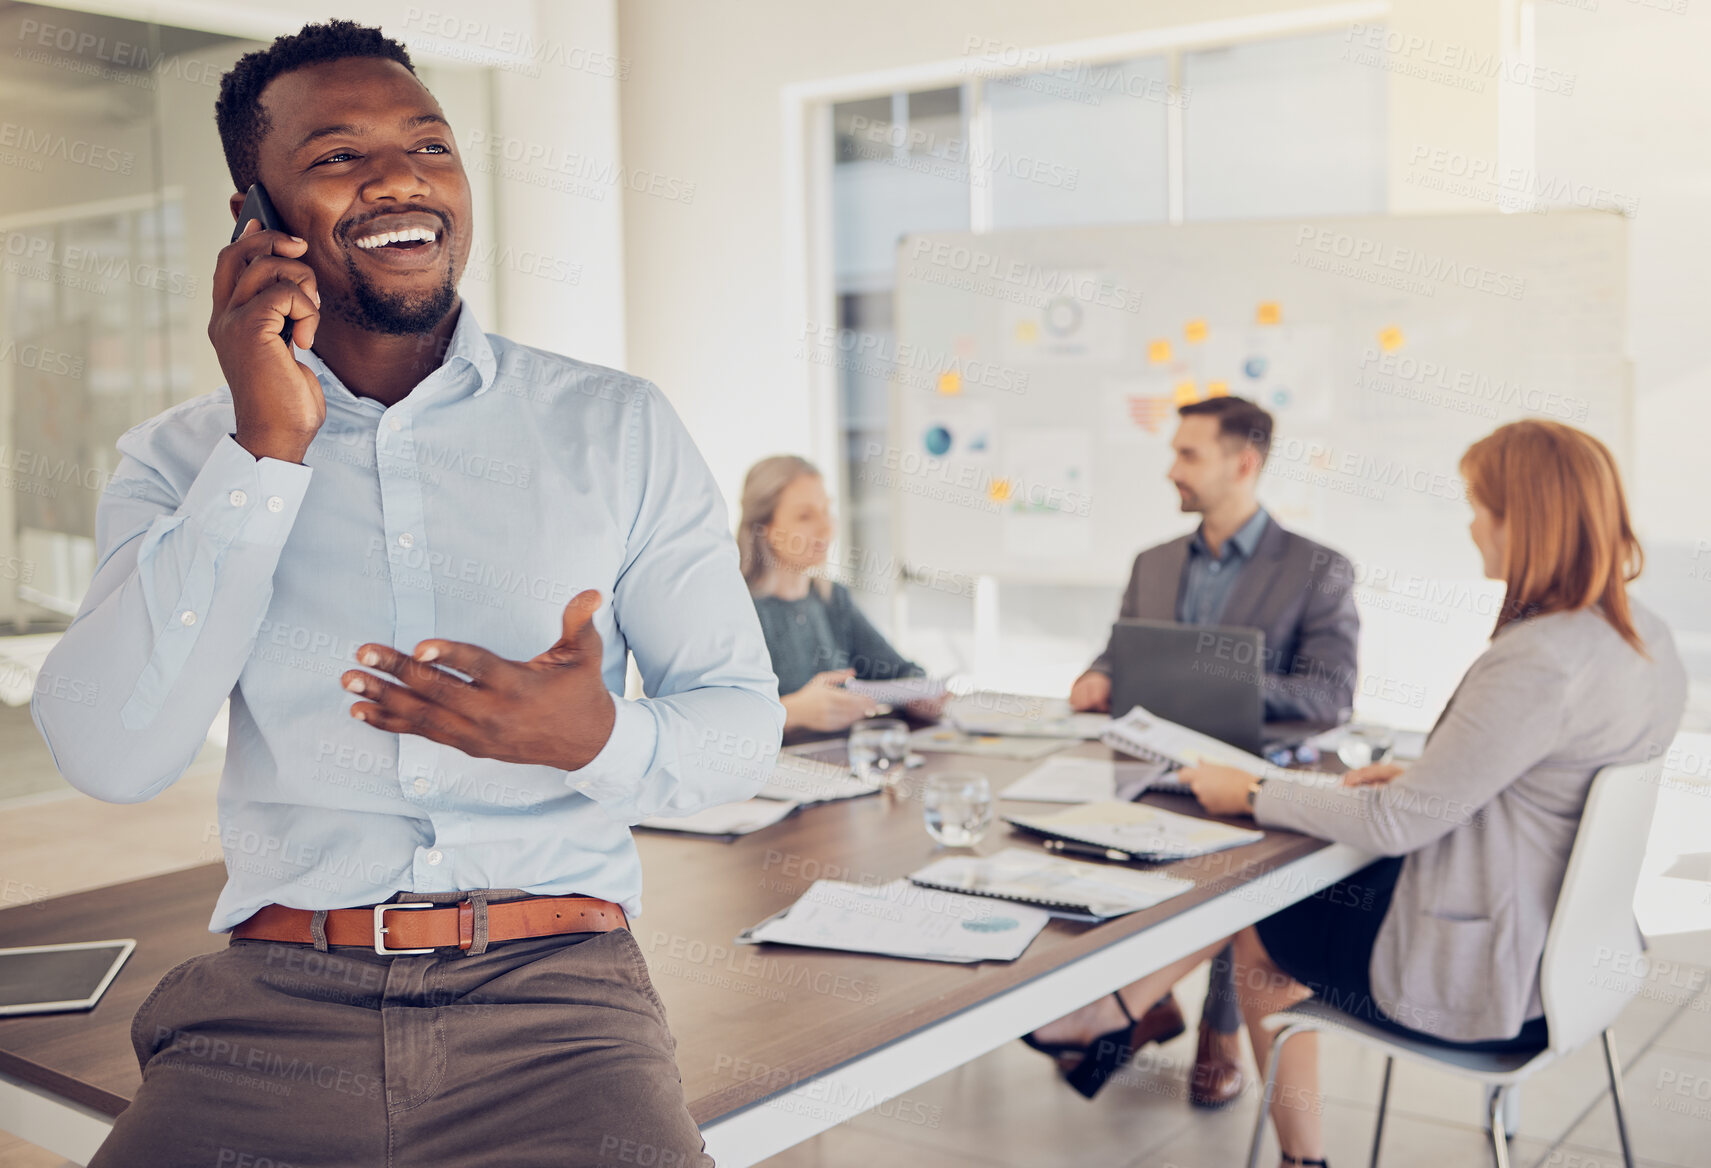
(1487, 816)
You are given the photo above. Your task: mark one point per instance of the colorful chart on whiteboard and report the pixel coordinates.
(1067, 316)
(1046, 492)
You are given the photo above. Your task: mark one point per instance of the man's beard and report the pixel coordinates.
(392, 313)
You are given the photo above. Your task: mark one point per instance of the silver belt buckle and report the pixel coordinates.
(380, 911)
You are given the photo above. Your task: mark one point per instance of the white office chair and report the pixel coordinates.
(1594, 919)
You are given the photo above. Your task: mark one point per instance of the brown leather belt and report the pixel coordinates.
(422, 927)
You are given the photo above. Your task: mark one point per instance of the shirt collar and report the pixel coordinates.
(1245, 540)
(468, 344)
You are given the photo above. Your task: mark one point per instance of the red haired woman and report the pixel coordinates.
(1442, 937)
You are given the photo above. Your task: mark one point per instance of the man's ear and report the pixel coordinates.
(1251, 462)
(237, 202)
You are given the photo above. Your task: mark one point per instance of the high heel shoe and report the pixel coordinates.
(1087, 1067)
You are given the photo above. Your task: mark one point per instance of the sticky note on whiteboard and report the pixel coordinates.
(1194, 331)
(950, 382)
(1268, 312)
(1390, 339)
(1158, 352)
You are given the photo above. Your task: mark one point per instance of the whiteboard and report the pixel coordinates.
(1037, 374)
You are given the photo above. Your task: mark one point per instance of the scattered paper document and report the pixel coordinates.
(836, 752)
(1145, 735)
(726, 818)
(898, 691)
(901, 919)
(1067, 887)
(1141, 830)
(1022, 715)
(803, 779)
(949, 740)
(1070, 778)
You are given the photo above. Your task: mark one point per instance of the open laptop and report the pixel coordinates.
(1208, 678)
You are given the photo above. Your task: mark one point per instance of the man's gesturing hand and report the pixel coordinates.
(552, 710)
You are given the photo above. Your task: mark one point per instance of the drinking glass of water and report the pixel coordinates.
(958, 808)
(879, 750)
(1365, 743)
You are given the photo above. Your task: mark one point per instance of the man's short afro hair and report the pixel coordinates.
(238, 112)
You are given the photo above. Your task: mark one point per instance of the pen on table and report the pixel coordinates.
(1074, 849)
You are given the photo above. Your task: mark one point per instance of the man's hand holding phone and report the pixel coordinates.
(261, 284)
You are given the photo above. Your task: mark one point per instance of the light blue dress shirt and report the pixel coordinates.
(506, 482)
(1207, 580)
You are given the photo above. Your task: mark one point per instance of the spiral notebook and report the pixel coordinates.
(1067, 888)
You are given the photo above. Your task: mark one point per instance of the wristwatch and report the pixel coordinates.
(1253, 791)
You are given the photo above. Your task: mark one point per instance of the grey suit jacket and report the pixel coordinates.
(1299, 593)
(1487, 816)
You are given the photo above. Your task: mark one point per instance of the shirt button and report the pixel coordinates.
(406, 540)
(275, 503)
(1216, 566)
(238, 498)
(421, 786)
(187, 617)
(435, 856)
(396, 423)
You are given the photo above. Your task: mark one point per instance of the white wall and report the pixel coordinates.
(1637, 126)
(1635, 131)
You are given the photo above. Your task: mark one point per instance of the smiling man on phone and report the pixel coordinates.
(414, 556)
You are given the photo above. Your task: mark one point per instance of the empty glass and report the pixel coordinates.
(879, 750)
(957, 806)
(1365, 743)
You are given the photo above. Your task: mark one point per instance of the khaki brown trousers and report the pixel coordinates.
(543, 1051)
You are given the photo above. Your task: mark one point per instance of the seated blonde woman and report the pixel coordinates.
(819, 639)
(1443, 937)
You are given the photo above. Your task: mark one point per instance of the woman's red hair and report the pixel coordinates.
(1570, 543)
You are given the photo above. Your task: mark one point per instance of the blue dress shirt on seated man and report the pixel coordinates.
(505, 483)
(1299, 593)
(1208, 578)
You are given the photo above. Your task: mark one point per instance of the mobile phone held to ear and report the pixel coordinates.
(259, 207)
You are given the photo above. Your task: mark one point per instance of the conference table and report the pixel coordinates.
(775, 1043)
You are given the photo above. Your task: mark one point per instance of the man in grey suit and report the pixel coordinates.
(1240, 568)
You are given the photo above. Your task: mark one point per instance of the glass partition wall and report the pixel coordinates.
(113, 204)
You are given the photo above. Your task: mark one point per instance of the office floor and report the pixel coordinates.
(1007, 1109)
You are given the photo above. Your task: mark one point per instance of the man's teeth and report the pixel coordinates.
(424, 234)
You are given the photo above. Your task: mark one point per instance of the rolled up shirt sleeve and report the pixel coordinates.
(708, 730)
